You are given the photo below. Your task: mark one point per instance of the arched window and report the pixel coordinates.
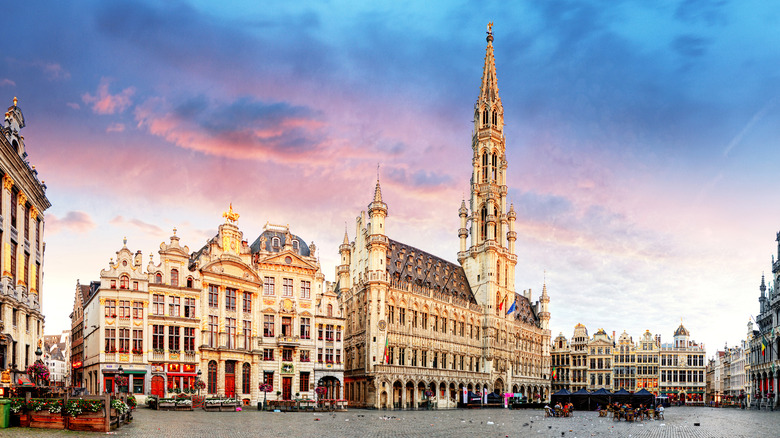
(494, 171)
(330, 309)
(484, 116)
(275, 243)
(212, 377)
(484, 167)
(174, 277)
(189, 282)
(246, 378)
(296, 245)
(495, 117)
(124, 282)
(483, 231)
(158, 278)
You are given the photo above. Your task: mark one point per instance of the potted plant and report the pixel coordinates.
(47, 414)
(85, 415)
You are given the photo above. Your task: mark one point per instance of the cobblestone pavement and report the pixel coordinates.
(679, 422)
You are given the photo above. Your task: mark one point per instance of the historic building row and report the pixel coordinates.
(22, 203)
(676, 369)
(235, 314)
(423, 329)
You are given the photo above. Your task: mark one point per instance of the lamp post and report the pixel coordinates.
(197, 382)
(121, 372)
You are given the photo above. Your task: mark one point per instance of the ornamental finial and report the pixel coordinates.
(229, 215)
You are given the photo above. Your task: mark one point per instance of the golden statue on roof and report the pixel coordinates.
(229, 215)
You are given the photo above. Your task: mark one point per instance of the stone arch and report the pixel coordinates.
(397, 394)
(411, 400)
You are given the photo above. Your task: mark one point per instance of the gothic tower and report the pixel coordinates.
(489, 262)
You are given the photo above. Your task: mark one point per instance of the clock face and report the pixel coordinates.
(288, 260)
(382, 325)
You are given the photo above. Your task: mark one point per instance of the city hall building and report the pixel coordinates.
(420, 329)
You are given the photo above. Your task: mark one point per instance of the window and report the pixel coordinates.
(414, 319)
(247, 301)
(268, 354)
(268, 286)
(246, 378)
(110, 336)
(444, 325)
(124, 309)
(305, 289)
(338, 355)
(158, 278)
(338, 333)
(319, 331)
(158, 337)
(230, 299)
(268, 326)
(14, 252)
(230, 327)
(189, 308)
(329, 332)
(330, 310)
(268, 378)
(287, 287)
(401, 316)
(189, 339)
(435, 325)
(319, 355)
(424, 322)
(110, 306)
(27, 222)
(158, 304)
(174, 277)
(305, 356)
(212, 377)
(138, 310)
(26, 269)
(189, 282)
(113, 284)
(124, 282)
(138, 384)
(213, 325)
(287, 354)
(135, 285)
(247, 335)
(390, 315)
(175, 306)
(304, 379)
(173, 338)
(124, 340)
(328, 355)
(213, 296)
(305, 328)
(286, 326)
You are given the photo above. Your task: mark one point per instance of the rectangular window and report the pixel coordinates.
(173, 338)
(175, 306)
(304, 378)
(414, 319)
(247, 335)
(319, 331)
(158, 304)
(189, 339)
(287, 326)
(287, 287)
(124, 340)
(27, 269)
(230, 327)
(338, 333)
(402, 316)
(14, 252)
(287, 354)
(390, 315)
(268, 286)
(213, 326)
(328, 355)
(305, 289)
(138, 310)
(319, 355)
(268, 326)
(444, 325)
(435, 324)
(189, 308)
(305, 328)
(110, 309)
(213, 296)
(110, 340)
(424, 322)
(230, 299)
(268, 354)
(247, 301)
(138, 384)
(158, 337)
(268, 377)
(329, 332)
(338, 355)
(305, 356)
(14, 207)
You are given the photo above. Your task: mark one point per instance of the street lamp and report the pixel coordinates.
(197, 382)
(121, 372)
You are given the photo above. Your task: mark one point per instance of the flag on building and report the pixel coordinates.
(500, 306)
(512, 307)
(763, 345)
(555, 373)
(387, 357)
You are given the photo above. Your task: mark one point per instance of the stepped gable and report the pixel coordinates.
(408, 264)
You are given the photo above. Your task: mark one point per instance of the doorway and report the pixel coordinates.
(286, 388)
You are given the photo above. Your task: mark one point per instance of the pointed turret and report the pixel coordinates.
(463, 232)
(377, 211)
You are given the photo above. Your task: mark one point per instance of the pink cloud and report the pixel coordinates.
(121, 222)
(74, 105)
(6, 81)
(116, 127)
(74, 221)
(106, 103)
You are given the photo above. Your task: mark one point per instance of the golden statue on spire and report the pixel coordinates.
(490, 27)
(229, 215)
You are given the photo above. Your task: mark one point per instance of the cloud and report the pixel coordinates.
(107, 103)
(5, 81)
(74, 105)
(74, 221)
(121, 222)
(52, 70)
(242, 128)
(116, 127)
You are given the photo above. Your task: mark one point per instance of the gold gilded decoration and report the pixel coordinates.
(287, 305)
(268, 301)
(174, 356)
(8, 183)
(146, 304)
(33, 213)
(306, 305)
(102, 301)
(229, 215)
(22, 198)
(34, 274)
(5, 376)
(7, 264)
(124, 357)
(137, 323)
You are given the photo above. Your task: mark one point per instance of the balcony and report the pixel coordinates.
(292, 341)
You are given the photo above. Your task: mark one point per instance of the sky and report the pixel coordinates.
(641, 138)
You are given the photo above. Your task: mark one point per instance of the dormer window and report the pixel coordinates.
(296, 246)
(124, 282)
(158, 278)
(189, 282)
(174, 277)
(275, 243)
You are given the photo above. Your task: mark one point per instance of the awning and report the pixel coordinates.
(181, 375)
(135, 371)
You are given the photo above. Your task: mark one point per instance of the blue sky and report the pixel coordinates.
(642, 138)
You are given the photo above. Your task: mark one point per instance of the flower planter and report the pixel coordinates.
(229, 407)
(212, 407)
(20, 420)
(89, 422)
(47, 420)
(166, 406)
(182, 407)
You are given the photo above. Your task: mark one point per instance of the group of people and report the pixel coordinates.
(559, 410)
(627, 411)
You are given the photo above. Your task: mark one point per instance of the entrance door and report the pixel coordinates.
(286, 388)
(230, 379)
(158, 386)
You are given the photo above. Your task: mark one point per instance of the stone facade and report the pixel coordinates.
(235, 315)
(22, 203)
(420, 329)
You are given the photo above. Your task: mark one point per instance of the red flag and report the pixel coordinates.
(500, 305)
